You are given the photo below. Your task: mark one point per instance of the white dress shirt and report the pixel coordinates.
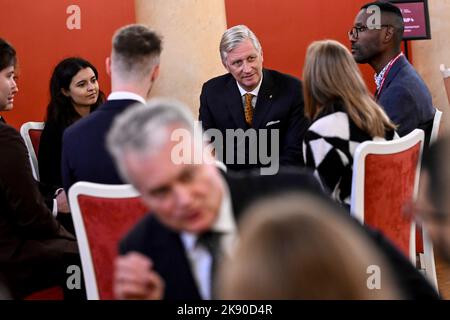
(199, 258)
(125, 95)
(254, 92)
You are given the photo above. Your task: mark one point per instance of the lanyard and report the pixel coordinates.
(386, 74)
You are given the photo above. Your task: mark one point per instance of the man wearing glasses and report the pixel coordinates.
(400, 90)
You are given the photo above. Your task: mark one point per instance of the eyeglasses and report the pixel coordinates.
(354, 32)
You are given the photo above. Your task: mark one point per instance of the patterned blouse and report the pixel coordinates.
(329, 146)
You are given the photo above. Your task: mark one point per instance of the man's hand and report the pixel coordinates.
(61, 200)
(134, 278)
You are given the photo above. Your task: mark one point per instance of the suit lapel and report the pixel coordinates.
(233, 101)
(264, 102)
(400, 64)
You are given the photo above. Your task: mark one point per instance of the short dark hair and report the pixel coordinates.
(7, 55)
(134, 44)
(387, 7)
(384, 7)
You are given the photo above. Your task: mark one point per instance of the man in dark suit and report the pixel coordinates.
(35, 250)
(400, 90)
(172, 252)
(250, 97)
(133, 67)
(188, 198)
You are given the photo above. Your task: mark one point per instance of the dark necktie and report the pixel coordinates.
(210, 240)
(248, 110)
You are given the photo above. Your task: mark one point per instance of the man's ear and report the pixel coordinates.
(155, 73)
(108, 65)
(225, 65)
(389, 34)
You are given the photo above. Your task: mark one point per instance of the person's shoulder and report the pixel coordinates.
(407, 86)
(218, 82)
(8, 134)
(52, 127)
(6, 129)
(408, 78)
(146, 232)
(83, 125)
(332, 122)
(12, 146)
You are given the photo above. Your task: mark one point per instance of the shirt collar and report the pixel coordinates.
(125, 95)
(225, 222)
(380, 76)
(254, 91)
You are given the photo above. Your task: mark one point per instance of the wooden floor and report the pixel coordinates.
(443, 276)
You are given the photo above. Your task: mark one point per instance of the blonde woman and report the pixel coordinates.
(343, 114)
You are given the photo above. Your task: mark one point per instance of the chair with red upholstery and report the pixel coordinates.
(385, 179)
(31, 134)
(102, 214)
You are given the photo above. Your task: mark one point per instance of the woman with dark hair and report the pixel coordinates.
(74, 93)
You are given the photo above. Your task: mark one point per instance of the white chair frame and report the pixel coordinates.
(24, 132)
(436, 126)
(384, 147)
(95, 190)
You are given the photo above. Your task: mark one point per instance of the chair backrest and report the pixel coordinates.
(102, 214)
(31, 134)
(385, 179)
(436, 125)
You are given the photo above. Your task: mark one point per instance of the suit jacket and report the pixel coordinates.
(167, 252)
(47, 190)
(30, 238)
(279, 106)
(49, 156)
(406, 99)
(84, 154)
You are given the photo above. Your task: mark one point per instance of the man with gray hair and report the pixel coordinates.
(172, 253)
(255, 101)
(133, 67)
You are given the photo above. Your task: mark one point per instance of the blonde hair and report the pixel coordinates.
(331, 74)
(296, 246)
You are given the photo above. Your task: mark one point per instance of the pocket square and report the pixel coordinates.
(272, 122)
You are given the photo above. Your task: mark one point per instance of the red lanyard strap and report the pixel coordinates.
(386, 73)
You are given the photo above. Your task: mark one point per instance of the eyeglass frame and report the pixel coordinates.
(358, 29)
